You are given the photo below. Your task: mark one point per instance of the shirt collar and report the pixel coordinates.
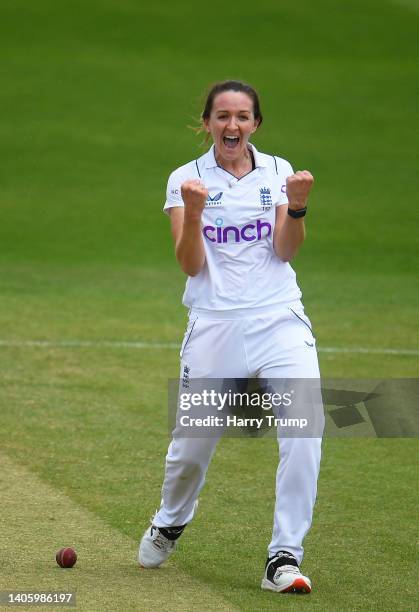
(211, 162)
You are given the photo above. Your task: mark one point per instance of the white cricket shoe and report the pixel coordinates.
(283, 575)
(157, 544)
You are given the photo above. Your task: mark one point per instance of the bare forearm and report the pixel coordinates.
(190, 251)
(288, 237)
(289, 230)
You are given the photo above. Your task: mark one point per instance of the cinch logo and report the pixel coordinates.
(215, 200)
(231, 233)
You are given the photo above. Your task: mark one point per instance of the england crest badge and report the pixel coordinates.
(265, 197)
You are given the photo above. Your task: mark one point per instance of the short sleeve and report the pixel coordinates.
(173, 195)
(284, 171)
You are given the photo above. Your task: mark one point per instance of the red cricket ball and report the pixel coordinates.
(66, 557)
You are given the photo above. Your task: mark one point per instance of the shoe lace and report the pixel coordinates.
(289, 569)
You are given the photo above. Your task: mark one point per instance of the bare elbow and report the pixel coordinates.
(285, 257)
(191, 263)
(192, 272)
(190, 269)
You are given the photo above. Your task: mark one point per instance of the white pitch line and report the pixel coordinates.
(133, 344)
(373, 351)
(89, 344)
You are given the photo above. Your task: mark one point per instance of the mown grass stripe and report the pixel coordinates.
(37, 520)
(175, 345)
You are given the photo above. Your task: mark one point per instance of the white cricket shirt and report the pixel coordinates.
(241, 268)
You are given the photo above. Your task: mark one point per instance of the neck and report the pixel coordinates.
(239, 167)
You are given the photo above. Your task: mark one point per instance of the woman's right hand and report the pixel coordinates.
(194, 194)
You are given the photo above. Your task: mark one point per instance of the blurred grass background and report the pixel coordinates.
(95, 101)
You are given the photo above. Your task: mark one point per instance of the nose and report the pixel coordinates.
(232, 123)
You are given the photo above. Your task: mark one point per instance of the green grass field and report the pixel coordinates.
(95, 99)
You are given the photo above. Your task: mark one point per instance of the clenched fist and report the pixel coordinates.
(298, 188)
(194, 194)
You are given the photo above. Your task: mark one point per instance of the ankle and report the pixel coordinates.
(172, 533)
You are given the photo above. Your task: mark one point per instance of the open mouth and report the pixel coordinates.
(231, 141)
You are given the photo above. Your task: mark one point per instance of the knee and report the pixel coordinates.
(187, 463)
(187, 467)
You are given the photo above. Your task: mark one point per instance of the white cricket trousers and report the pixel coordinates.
(248, 344)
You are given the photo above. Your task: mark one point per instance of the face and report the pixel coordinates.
(231, 124)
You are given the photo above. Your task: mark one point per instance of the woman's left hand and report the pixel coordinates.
(298, 188)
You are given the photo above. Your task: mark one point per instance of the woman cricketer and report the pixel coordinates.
(237, 220)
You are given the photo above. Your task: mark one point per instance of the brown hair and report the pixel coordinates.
(222, 86)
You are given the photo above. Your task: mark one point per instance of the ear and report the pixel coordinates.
(255, 125)
(206, 126)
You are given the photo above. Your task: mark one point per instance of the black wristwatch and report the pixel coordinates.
(296, 214)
